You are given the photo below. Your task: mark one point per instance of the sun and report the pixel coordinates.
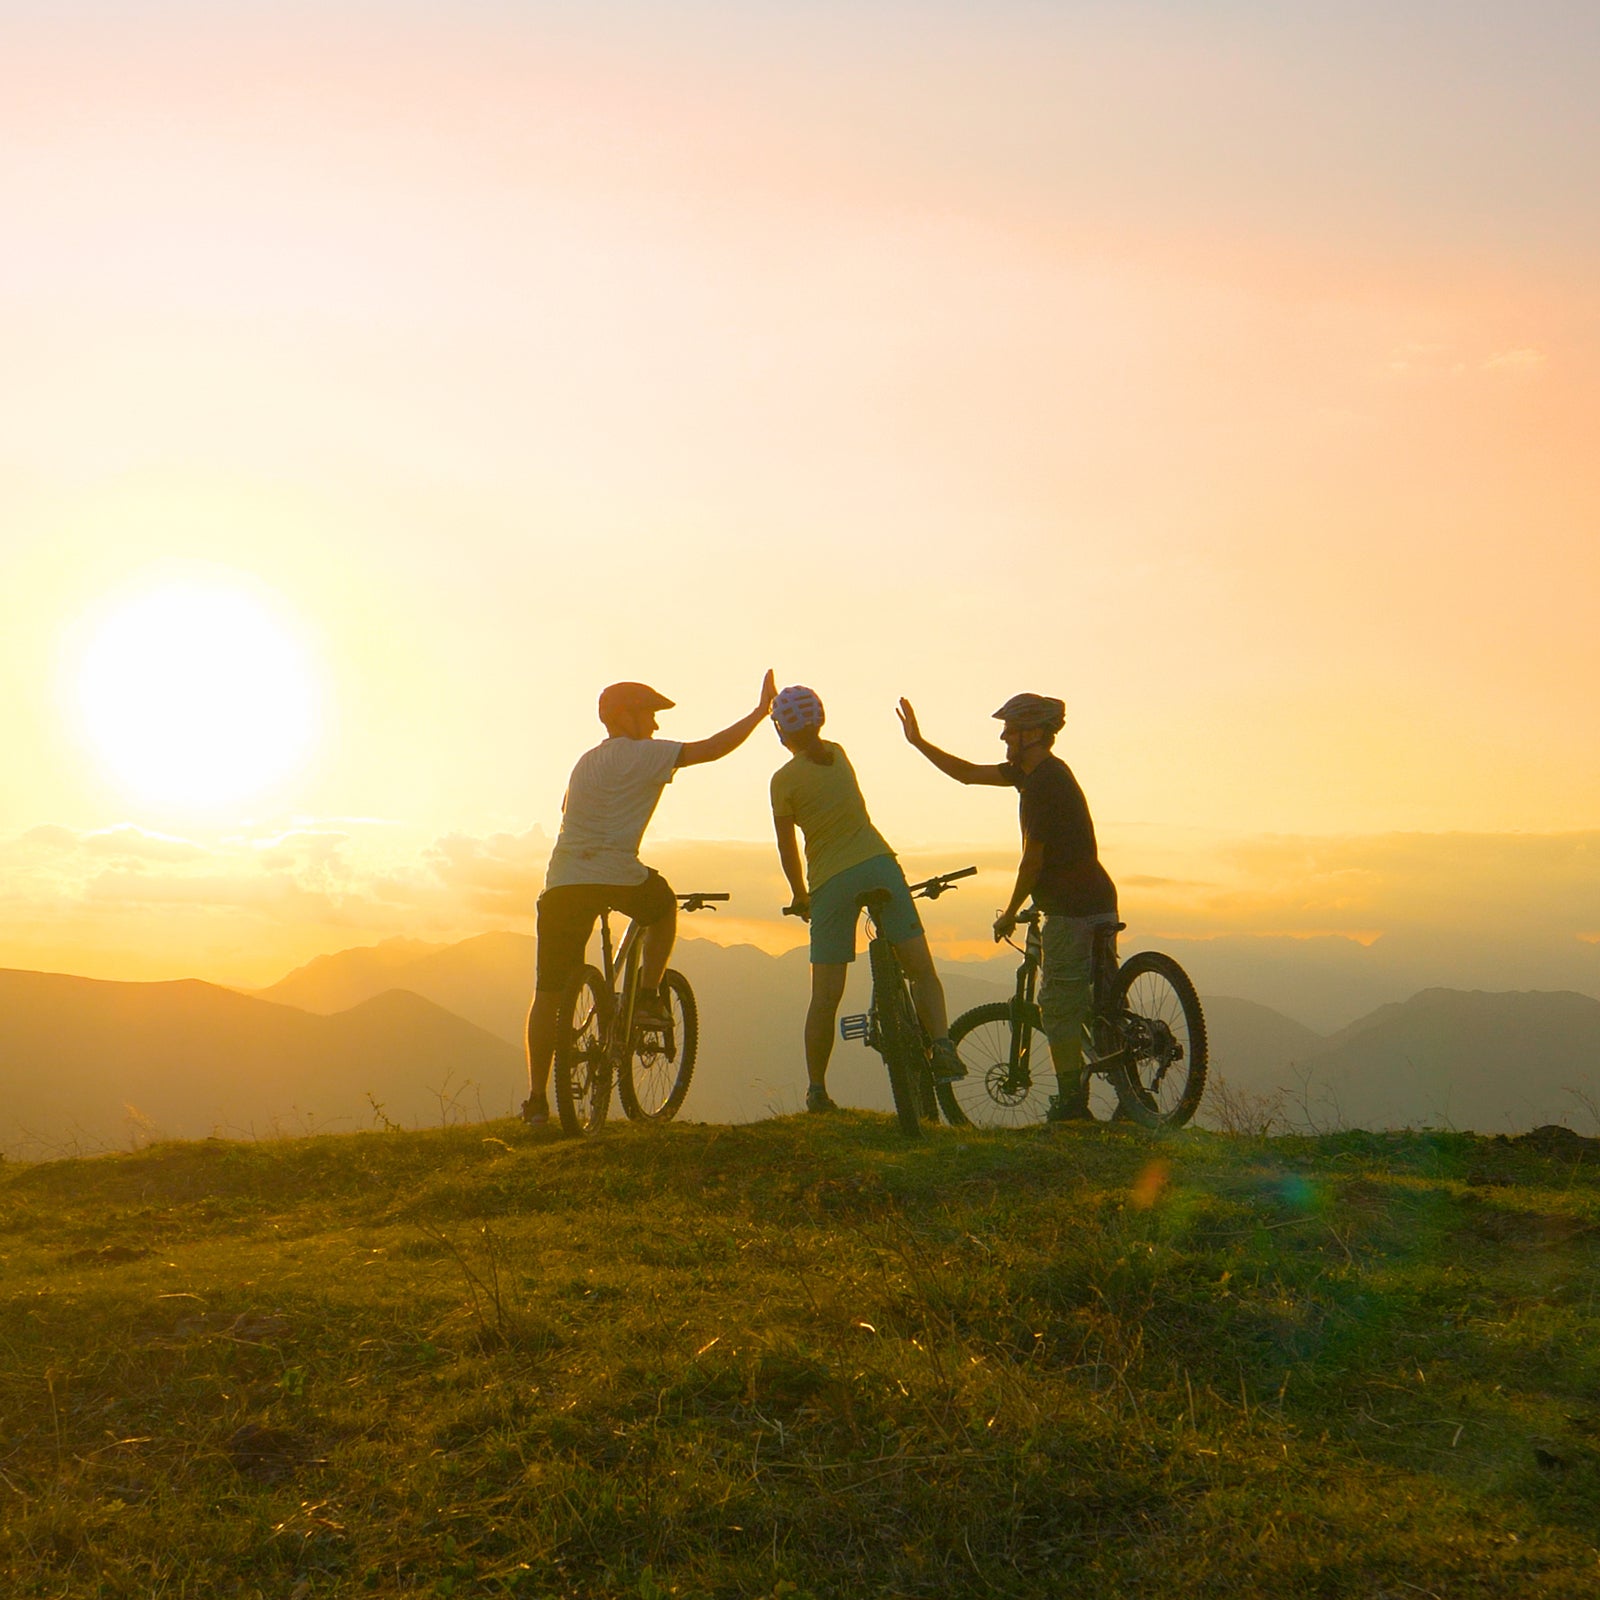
(197, 694)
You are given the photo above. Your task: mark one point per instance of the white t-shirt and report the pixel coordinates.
(611, 797)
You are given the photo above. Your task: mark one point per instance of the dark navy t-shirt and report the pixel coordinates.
(1072, 883)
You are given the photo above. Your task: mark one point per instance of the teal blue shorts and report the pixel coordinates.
(836, 908)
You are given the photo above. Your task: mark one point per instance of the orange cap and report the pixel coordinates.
(624, 697)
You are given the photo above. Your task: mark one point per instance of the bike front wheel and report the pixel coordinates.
(1003, 1088)
(1159, 1033)
(900, 1041)
(660, 1062)
(582, 1067)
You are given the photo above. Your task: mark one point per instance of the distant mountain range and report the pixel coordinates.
(88, 1065)
(752, 1006)
(433, 1032)
(1441, 1058)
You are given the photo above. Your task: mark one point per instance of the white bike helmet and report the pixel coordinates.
(796, 709)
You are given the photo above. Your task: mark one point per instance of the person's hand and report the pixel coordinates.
(908, 721)
(769, 693)
(1004, 926)
(800, 907)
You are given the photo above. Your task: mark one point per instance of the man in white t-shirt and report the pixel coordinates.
(610, 799)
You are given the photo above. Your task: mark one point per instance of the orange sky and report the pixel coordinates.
(1232, 375)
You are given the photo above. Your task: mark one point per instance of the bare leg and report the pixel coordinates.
(544, 1017)
(827, 989)
(927, 993)
(656, 948)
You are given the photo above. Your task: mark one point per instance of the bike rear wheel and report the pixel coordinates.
(582, 1067)
(1160, 1033)
(900, 1040)
(660, 1062)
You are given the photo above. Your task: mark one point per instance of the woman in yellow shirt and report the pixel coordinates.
(845, 857)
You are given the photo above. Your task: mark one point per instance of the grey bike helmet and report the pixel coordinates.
(1033, 711)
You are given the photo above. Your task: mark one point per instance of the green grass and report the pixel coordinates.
(801, 1358)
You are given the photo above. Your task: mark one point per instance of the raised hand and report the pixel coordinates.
(769, 693)
(908, 721)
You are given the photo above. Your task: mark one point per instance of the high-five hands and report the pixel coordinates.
(769, 693)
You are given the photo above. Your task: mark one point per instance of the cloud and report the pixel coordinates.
(1521, 361)
(501, 874)
(125, 842)
(1498, 910)
(1420, 360)
(246, 907)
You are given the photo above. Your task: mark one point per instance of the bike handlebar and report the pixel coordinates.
(700, 902)
(928, 889)
(932, 888)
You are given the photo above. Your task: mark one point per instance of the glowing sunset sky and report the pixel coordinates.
(1230, 370)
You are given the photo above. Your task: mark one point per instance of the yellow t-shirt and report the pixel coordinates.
(827, 807)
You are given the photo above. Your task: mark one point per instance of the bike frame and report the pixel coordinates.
(622, 961)
(862, 1025)
(1102, 976)
(1019, 1069)
(868, 1027)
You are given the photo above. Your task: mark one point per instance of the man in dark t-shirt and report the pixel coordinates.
(1060, 870)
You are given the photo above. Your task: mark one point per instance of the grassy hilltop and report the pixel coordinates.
(801, 1358)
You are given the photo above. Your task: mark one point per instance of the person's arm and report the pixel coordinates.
(729, 740)
(951, 766)
(1027, 875)
(789, 856)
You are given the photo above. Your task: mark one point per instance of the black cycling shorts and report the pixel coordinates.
(567, 914)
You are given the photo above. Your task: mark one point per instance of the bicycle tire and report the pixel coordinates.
(983, 1099)
(1161, 1031)
(653, 1080)
(898, 1040)
(582, 1068)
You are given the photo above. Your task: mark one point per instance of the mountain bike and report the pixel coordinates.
(1145, 1039)
(599, 1043)
(891, 1026)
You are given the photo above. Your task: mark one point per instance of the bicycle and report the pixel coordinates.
(891, 1025)
(1145, 1037)
(598, 1044)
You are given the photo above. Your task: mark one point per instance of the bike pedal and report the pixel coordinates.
(855, 1027)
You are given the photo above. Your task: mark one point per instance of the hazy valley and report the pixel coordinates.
(419, 1034)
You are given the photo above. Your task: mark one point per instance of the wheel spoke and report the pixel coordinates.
(1164, 1042)
(660, 1061)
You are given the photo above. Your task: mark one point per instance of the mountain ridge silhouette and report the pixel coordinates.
(92, 1063)
(431, 1032)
